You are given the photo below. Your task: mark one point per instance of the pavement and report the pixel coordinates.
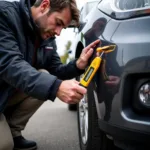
(53, 127)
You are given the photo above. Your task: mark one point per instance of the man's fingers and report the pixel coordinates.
(76, 97)
(89, 53)
(79, 96)
(97, 54)
(93, 44)
(96, 42)
(81, 90)
(75, 81)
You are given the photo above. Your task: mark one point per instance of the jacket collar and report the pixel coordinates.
(25, 8)
(47, 41)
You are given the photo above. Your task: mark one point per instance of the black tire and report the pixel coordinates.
(72, 107)
(97, 139)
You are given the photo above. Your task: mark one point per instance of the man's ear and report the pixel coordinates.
(45, 6)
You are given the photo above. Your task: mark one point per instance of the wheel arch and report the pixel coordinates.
(79, 49)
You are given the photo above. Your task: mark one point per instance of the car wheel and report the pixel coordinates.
(72, 107)
(90, 136)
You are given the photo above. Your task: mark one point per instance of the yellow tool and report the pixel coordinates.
(89, 74)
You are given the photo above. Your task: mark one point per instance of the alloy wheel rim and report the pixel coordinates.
(83, 116)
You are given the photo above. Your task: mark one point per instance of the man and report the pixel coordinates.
(27, 31)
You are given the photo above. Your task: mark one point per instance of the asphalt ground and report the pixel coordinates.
(53, 127)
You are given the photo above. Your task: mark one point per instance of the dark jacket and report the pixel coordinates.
(22, 52)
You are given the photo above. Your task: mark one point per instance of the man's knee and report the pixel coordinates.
(9, 145)
(6, 142)
(43, 70)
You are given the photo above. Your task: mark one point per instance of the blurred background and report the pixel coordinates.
(64, 41)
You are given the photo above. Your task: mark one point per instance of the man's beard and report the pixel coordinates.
(41, 26)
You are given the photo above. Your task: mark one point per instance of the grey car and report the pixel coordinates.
(115, 112)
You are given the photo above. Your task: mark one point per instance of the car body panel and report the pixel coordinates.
(130, 57)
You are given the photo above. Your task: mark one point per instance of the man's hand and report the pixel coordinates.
(85, 55)
(70, 91)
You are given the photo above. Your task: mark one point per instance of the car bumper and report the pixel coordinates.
(123, 134)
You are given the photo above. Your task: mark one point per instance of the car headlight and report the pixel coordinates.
(130, 4)
(144, 94)
(123, 9)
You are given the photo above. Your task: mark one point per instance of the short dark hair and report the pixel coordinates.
(59, 5)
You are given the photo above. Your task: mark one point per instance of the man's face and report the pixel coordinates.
(51, 24)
